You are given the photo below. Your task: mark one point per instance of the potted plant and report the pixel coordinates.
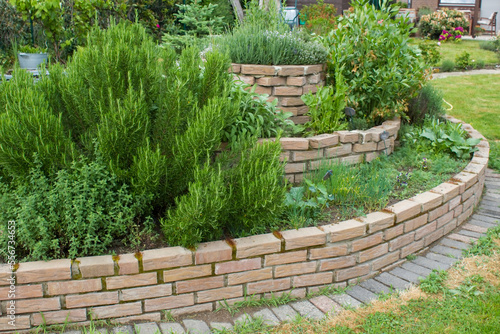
(30, 57)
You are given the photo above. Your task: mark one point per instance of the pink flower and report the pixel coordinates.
(157, 26)
(458, 36)
(459, 29)
(380, 21)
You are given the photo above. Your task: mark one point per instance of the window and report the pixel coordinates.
(457, 2)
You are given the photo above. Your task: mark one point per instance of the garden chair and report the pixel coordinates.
(490, 22)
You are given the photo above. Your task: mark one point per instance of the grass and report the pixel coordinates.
(475, 100)
(450, 50)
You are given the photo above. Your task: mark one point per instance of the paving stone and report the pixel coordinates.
(243, 319)
(76, 331)
(406, 275)
(391, 280)
(489, 211)
(123, 330)
(440, 258)
(489, 202)
(196, 326)
(361, 294)
(375, 287)
(284, 312)
(171, 328)
(433, 265)
(326, 305)
(267, 316)
(447, 251)
(454, 244)
(308, 310)
(422, 271)
(147, 328)
(471, 234)
(346, 301)
(101, 331)
(221, 326)
(480, 220)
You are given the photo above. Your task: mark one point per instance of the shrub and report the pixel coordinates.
(432, 25)
(447, 65)
(12, 26)
(430, 53)
(428, 102)
(463, 61)
(454, 35)
(371, 51)
(479, 64)
(319, 18)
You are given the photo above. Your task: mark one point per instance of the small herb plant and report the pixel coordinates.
(463, 61)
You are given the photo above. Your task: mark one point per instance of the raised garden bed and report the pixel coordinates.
(132, 287)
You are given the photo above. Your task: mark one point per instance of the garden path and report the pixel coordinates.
(441, 256)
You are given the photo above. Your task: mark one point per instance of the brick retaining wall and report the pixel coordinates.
(133, 287)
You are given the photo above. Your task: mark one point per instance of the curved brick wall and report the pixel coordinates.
(139, 286)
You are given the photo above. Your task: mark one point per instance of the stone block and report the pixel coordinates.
(373, 252)
(59, 317)
(357, 271)
(428, 200)
(303, 237)
(345, 230)
(180, 274)
(257, 245)
(130, 281)
(284, 258)
(235, 266)
(127, 264)
(287, 91)
(448, 190)
(168, 303)
(115, 311)
(307, 155)
(258, 69)
(69, 287)
(348, 136)
(220, 294)
(401, 241)
(367, 147)
(160, 290)
(404, 210)
(291, 102)
(377, 221)
(393, 232)
(216, 251)
(328, 251)
(294, 269)
(40, 271)
(295, 81)
(336, 263)
(291, 70)
(312, 279)
(92, 299)
(163, 258)
(338, 151)
(385, 260)
(323, 140)
(268, 286)
(271, 81)
(366, 242)
(200, 284)
(37, 305)
(21, 292)
(294, 144)
(250, 276)
(412, 248)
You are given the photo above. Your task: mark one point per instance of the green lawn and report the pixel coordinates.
(450, 50)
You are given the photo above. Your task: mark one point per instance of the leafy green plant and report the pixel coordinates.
(273, 300)
(434, 283)
(12, 27)
(319, 17)
(428, 103)
(463, 61)
(478, 64)
(326, 108)
(432, 25)
(430, 53)
(447, 65)
(31, 49)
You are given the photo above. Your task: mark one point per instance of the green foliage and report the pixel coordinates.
(432, 25)
(494, 161)
(428, 102)
(31, 49)
(326, 108)
(463, 61)
(12, 26)
(493, 45)
(438, 136)
(252, 301)
(447, 65)
(434, 283)
(319, 17)
(371, 51)
(430, 53)
(485, 245)
(198, 19)
(81, 212)
(478, 64)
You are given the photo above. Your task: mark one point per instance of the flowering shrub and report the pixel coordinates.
(434, 25)
(454, 35)
(320, 17)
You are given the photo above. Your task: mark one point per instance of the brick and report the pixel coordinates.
(377, 221)
(412, 248)
(5, 274)
(404, 210)
(235, 266)
(448, 190)
(371, 156)
(438, 212)
(272, 81)
(348, 136)
(92, 299)
(458, 210)
(268, 286)
(425, 230)
(445, 219)
(200, 284)
(294, 144)
(127, 264)
(314, 78)
(373, 252)
(469, 203)
(344, 230)
(150, 317)
(469, 192)
(328, 251)
(366, 242)
(291, 70)
(284, 258)
(323, 140)
(296, 111)
(476, 166)
(247, 79)
(129, 281)
(235, 68)
(311, 88)
(287, 91)
(415, 223)
(192, 309)
(358, 271)
(313, 69)
(303, 237)
(300, 119)
(338, 151)
(401, 241)
(352, 160)
(40, 271)
(68, 287)
(385, 260)
(385, 144)
(393, 232)
(187, 273)
(250, 276)
(307, 155)
(258, 69)
(116, 311)
(263, 90)
(450, 226)
(216, 251)
(167, 303)
(59, 317)
(38, 305)
(428, 200)
(454, 202)
(257, 245)
(295, 168)
(368, 147)
(297, 293)
(295, 81)
(340, 262)
(22, 322)
(312, 279)
(468, 178)
(463, 217)
(160, 290)
(163, 258)
(220, 294)
(21, 292)
(291, 102)
(294, 269)
(96, 266)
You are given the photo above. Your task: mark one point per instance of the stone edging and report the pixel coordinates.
(133, 287)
